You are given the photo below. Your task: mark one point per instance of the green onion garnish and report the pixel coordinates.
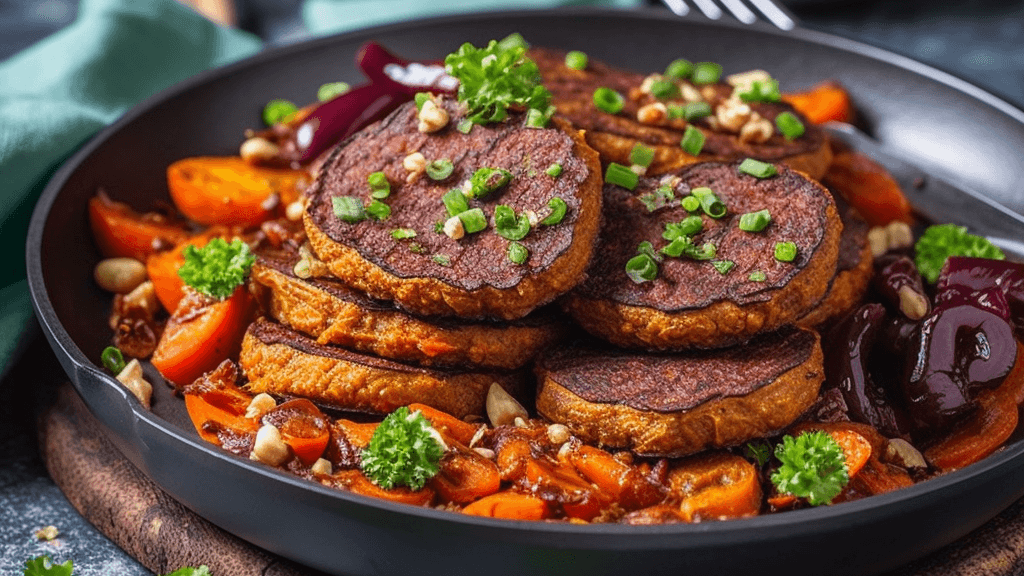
(677, 246)
(508, 225)
(762, 91)
(621, 176)
(705, 252)
(421, 99)
(641, 268)
(487, 180)
(473, 220)
(277, 111)
(608, 100)
(680, 68)
(112, 359)
(440, 169)
(785, 251)
(696, 110)
(416, 248)
(790, 126)
(517, 253)
(755, 221)
(455, 202)
(380, 188)
(465, 126)
(757, 276)
(693, 141)
(403, 233)
(576, 60)
(709, 202)
(664, 89)
(641, 155)
(691, 204)
(513, 40)
(706, 73)
(687, 227)
(441, 259)
(555, 170)
(658, 199)
(558, 209)
(439, 227)
(647, 248)
(332, 90)
(757, 168)
(378, 210)
(348, 208)
(723, 266)
(675, 111)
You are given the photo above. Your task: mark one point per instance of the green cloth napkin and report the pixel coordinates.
(59, 92)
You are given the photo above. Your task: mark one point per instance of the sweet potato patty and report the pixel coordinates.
(614, 135)
(432, 273)
(691, 303)
(678, 404)
(333, 313)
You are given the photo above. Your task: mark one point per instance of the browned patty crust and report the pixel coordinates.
(333, 313)
(690, 303)
(280, 361)
(678, 404)
(432, 274)
(614, 135)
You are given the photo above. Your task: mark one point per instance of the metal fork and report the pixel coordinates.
(746, 11)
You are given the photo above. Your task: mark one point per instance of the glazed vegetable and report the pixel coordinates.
(216, 404)
(868, 187)
(973, 279)
(493, 78)
(217, 268)
(162, 267)
(404, 451)
(510, 505)
(121, 232)
(304, 428)
(813, 467)
(944, 240)
(824, 102)
(898, 282)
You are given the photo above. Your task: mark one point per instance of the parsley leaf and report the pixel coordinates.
(945, 240)
(404, 451)
(43, 566)
(217, 268)
(813, 467)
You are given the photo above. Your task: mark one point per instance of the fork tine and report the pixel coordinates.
(709, 8)
(740, 11)
(678, 7)
(775, 14)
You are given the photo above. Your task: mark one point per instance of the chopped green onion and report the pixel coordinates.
(755, 221)
(517, 253)
(576, 60)
(687, 227)
(790, 126)
(465, 126)
(677, 246)
(455, 202)
(421, 99)
(112, 359)
(558, 209)
(555, 170)
(507, 225)
(658, 199)
(440, 169)
(757, 276)
(680, 68)
(332, 90)
(706, 252)
(439, 227)
(513, 40)
(416, 248)
(762, 91)
(757, 168)
(785, 251)
(675, 111)
(486, 180)
(608, 100)
(691, 204)
(664, 89)
(277, 111)
(641, 155)
(709, 202)
(723, 266)
(380, 188)
(441, 259)
(473, 220)
(647, 248)
(378, 210)
(641, 268)
(693, 141)
(621, 176)
(403, 233)
(706, 73)
(696, 110)
(348, 208)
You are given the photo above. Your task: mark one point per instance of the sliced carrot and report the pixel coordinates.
(465, 475)
(216, 399)
(448, 425)
(357, 433)
(627, 485)
(781, 501)
(227, 190)
(511, 506)
(716, 486)
(120, 231)
(822, 103)
(856, 449)
(355, 481)
(868, 187)
(199, 335)
(304, 428)
(162, 267)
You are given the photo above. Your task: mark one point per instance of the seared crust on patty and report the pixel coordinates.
(473, 277)
(333, 313)
(280, 361)
(690, 304)
(678, 404)
(614, 135)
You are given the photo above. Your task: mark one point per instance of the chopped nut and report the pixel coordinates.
(485, 452)
(558, 433)
(653, 114)
(899, 234)
(47, 533)
(878, 239)
(638, 169)
(132, 379)
(690, 93)
(732, 115)
(143, 298)
(563, 451)
(302, 269)
(453, 228)
(120, 275)
(757, 130)
(269, 447)
(260, 405)
(520, 422)
(902, 453)
(913, 304)
(416, 165)
(256, 150)
(478, 435)
(744, 81)
(323, 467)
(532, 217)
(294, 211)
(645, 86)
(432, 117)
(502, 408)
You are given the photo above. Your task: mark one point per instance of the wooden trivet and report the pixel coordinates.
(164, 535)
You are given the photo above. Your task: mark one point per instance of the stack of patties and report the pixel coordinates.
(440, 238)
(700, 278)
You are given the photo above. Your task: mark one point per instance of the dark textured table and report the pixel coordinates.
(979, 40)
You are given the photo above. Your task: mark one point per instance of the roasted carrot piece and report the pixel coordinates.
(162, 267)
(823, 102)
(448, 425)
(868, 187)
(511, 506)
(304, 428)
(120, 231)
(625, 484)
(227, 190)
(856, 449)
(465, 476)
(356, 481)
(201, 334)
(215, 398)
(358, 433)
(716, 486)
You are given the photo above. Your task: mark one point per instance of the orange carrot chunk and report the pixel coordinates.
(822, 103)
(868, 187)
(511, 506)
(119, 231)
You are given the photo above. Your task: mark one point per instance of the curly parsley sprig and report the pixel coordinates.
(405, 451)
(217, 268)
(944, 240)
(813, 467)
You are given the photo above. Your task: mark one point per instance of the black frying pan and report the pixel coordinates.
(945, 124)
